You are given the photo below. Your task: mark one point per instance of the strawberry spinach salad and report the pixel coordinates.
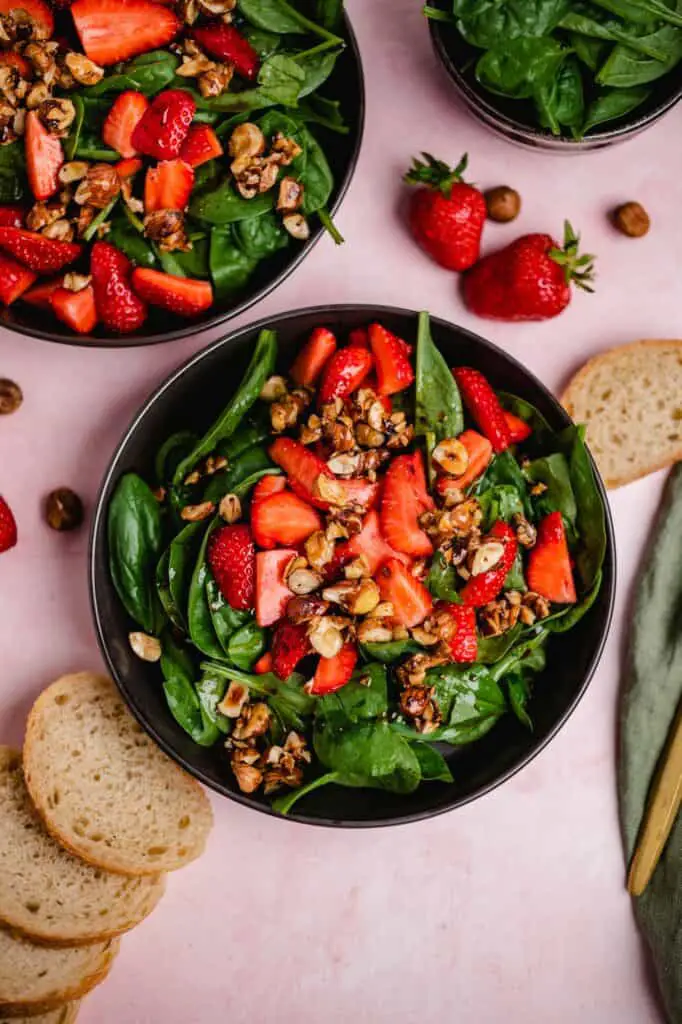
(160, 154)
(580, 64)
(359, 566)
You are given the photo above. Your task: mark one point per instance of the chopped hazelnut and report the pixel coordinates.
(63, 509)
(84, 70)
(632, 220)
(230, 508)
(11, 397)
(147, 648)
(297, 226)
(503, 204)
(290, 196)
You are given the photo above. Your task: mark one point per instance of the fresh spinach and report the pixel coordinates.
(591, 21)
(226, 620)
(260, 237)
(590, 513)
(438, 406)
(520, 66)
(264, 43)
(369, 755)
(282, 18)
(126, 238)
(223, 205)
(502, 501)
(486, 25)
(561, 103)
(246, 646)
(625, 69)
(504, 470)
(135, 538)
(199, 618)
(182, 699)
(469, 698)
(327, 113)
(612, 104)
(70, 143)
(389, 651)
(433, 766)
(251, 462)
(230, 267)
(442, 580)
(316, 177)
(211, 689)
(13, 180)
(164, 592)
(553, 473)
(182, 556)
(317, 67)
(149, 73)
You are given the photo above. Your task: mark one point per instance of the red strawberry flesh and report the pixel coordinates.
(231, 557)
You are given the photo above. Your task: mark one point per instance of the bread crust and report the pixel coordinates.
(581, 379)
(65, 1014)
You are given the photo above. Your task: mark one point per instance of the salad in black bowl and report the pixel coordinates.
(563, 74)
(349, 596)
(163, 165)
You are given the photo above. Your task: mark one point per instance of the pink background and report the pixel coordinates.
(512, 908)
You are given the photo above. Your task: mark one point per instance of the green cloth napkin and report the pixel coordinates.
(651, 695)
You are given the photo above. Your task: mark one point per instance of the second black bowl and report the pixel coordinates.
(191, 398)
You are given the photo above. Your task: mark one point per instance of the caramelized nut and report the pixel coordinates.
(63, 510)
(147, 648)
(196, 513)
(230, 508)
(11, 397)
(451, 456)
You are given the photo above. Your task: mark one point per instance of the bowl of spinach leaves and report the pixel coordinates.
(501, 710)
(308, 92)
(565, 75)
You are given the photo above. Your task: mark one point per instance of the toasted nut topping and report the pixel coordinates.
(344, 464)
(254, 721)
(632, 220)
(37, 95)
(503, 203)
(425, 637)
(285, 150)
(213, 464)
(290, 196)
(365, 599)
(303, 581)
(99, 186)
(327, 489)
(234, 700)
(384, 610)
(297, 562)
(325, 637)
(11, 397)
(486, 557)
(451, 456)
(319, 549)
(147, 648)
(376, 415)
(76, 282)
(526, 534)
(230, 508)
(57, 115)
(372, 632)
(192, 478)
(297, 226)
(84, 70)
(274, 388)
(248, 776)
(303, 609)
(75, 170)
(340, 593)
(368, 437)
(63, 509)
(60, 230)
(196, 513)
(247, 140)
(357, 569)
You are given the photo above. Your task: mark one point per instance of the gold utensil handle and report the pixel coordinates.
(660, 816)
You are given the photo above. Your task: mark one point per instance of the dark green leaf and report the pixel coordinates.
(170, 453)
(251, 462)
(281, 80)
(193, 263)
(434, 767)
(502, 501)
(612, 104)
(553, 472)
(199, 618)
(246, 646)
(260, 237)
(364, 697)
(317, 110)
(505, 470)
(486, 25)
(591, 516)
(231, 268)
(210, 691)
(226, 621)
(163, 590)
(149, 73)
(317, 68)
(135, 544)
(519, 690)
(13, 180)
(442, 580)
(562, 102)
(124, 236)
(223, 205)
(316, 178)
(438, 406)
(520, 66)
(370, 754)
(178, 686)
(182, 557)
(624, 68)
(390, 651)
(264, 43)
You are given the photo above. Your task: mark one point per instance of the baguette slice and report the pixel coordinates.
(48, 894)
(630, 399)
(66, 1014)
(37, 979)
(103, 788)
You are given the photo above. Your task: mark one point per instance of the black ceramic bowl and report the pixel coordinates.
(347, 84)
(191, 398)
(516, 120)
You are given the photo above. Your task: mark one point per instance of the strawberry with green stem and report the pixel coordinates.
(446, 214)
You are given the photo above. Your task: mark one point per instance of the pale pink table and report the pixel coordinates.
(512, 909)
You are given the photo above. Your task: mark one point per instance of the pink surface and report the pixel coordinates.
(512, 908)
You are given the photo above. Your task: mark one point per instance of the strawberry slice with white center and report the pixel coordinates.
(116, 30)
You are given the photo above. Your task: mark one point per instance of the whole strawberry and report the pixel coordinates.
(529, 279)
(446, 215)
(8, 527)
(232, 559)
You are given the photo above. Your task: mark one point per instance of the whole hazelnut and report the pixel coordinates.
(63, 509)
(632, 220)
(11, 397)
(503, 203)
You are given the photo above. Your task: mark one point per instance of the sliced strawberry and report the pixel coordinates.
(333, 673)
(483, 405)
(410, 599)
(12, 216)
(184, 296)
(76, 309)
(344, 373)
(165, 124)
(264, 664)
(480, 451)
(122, 120)
(8, 527)
(15, 279)
(464, 644)
(369, 544)
(39, 12)
(549, 563)
(360, 492)
(394, 371)
(128, 168)
(44, 255)
(518, 429)
(44, 157)
(290, 644)
(310, 361)
(359, 337)
(118, 307)
(228, 44)
(231, 556)
(168, 186)
(283, 519)
(41, 294)
(116, 30)
(272, 593)
(201, 145)
(268, 485)
(302, 468)
(485, 586)
(404, 499)
(19, 63)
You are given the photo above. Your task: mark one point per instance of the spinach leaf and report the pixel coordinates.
(369, 754)
(264, 43)
(226, 620)
(519, 690)
(468, 697)
(230, 267)
(389, 651)
(283, 804)
(246, 646)
(259, 369)
(505, 470)
(163, 591)
(329, 13)
(199, 618)
(562, 102)
(254, 461)
(282, 18)
(275, 121)
(317, 67)
(13, 180)
(515, 580)
(124, 236)
(316, 177)
(492, 648)
(485, 25)
(612, 104)
(525, 411)
(178, 686)
(591, 516)
(193, 263)
(149, 73)
(170, 453)
(281, 80)
(569, 617)
(524, 651)
(182, 557)
(519, 67)
(288, 700)
(91, 147)
(254, 430)
(260, 237)
(442, 580)
(223, 205)
(588, 20)
(365, 697)
(624, 68)
(641, 12)
(70, 143)
(210, 691)
(438, 405)
(589, 51)
(135, 544)
(434, 767)
(553, 472)
(318, 110)
(502, 501)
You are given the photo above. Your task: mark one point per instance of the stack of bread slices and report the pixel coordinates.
(92, 815)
